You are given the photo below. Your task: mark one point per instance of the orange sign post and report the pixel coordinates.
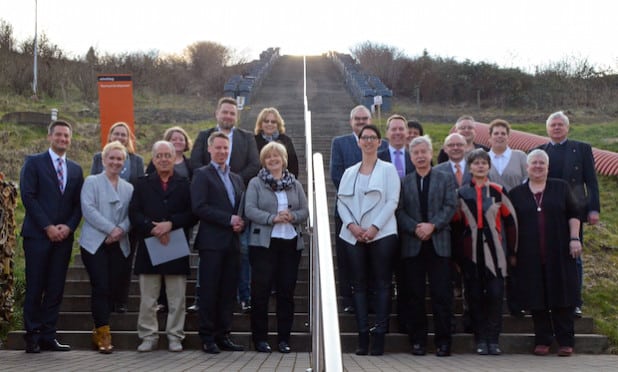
(115, 102)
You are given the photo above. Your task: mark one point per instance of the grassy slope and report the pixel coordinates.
(601, 260)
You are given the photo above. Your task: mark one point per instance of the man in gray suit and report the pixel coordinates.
(427, 205)
(243, 160)
(344, 153)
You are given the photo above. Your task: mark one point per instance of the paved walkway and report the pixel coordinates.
(193, 360)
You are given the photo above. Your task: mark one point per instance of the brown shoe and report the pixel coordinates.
(102, 339)
(565, 351)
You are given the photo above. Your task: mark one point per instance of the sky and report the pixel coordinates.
(517, 33)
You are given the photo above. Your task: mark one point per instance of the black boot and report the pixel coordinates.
(377, 343)
(363, 343)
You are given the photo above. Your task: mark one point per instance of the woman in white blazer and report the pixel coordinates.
(366, 201)
(104, 239)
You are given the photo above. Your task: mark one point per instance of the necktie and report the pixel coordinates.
(458, 174)
(399, 164)
(60, 173)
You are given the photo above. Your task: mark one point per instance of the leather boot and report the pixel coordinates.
(102, 339)
(363, 343)
(377, 343)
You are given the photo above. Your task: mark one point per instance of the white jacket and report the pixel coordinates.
(378, 204)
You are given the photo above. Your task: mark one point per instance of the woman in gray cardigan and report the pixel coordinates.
(104, 239)
(276, 205)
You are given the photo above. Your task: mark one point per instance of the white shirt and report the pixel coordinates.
(499, 162)
(282, 230)
(462, 164)
(54, 158)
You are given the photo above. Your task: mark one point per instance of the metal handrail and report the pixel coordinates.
(324, 320)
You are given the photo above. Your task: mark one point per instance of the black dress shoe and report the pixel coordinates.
(348, 309)
(263, 347)
(443, 351)
(227, 344)
(210, 348)
(418, 349)
(482, 348)
(193, 308)
(494, 349)
(53, 345)
(578, 312)
(518, 314)
(32, 347)
(284, 347)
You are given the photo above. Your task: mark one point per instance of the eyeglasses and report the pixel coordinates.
(456, 145)
(369, 138)
(269, 121)
(164, 155)
(361, 118)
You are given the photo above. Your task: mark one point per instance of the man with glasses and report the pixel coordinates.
(343, 154)
(466, 126)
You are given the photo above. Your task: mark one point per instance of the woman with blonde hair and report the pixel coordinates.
(104, 239)
(269, 127)
(132, 168)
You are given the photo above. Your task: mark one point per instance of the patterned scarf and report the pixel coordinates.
(274, 136)
(285, 183)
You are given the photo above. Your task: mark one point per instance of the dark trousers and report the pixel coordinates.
(552, 322)
(485, 295)
(372, 261)
(342, 265)
(46, 271)
(273, 267)
(218, 280)
(427, 264)
(105, 268)
(126, 271)
(580, 269)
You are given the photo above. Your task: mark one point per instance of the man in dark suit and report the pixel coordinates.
(466, 126)
(216, 197)
(243, 160)
(427, 205)
(50, 186)
(459, 172)
(573, 162)
(344, 152)
(397, 153)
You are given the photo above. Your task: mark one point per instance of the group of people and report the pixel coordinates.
(493, 218)
(240, 187)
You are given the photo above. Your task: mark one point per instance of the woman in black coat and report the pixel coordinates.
(161, 203)
(270, 126)
(548, 245)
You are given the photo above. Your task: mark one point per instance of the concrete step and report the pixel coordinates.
(75, 321)
(511, 343)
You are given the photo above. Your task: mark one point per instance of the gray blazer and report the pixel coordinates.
(441, 205)
(446, 168)
(103, 209)
(261, 208)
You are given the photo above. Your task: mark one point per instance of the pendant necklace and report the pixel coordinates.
(539, 201)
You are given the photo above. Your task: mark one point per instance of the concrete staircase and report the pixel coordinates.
(330, 105)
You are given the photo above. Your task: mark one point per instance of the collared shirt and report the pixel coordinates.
(224, 174)
(54, 158)
(499, 162)
(231, 137)
(462, 164)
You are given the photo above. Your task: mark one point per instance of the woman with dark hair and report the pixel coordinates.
(276, 205)
(366, 201)
(269, 127)
(415, 129)
(549, 244)
(488, 216)
(182, 143)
